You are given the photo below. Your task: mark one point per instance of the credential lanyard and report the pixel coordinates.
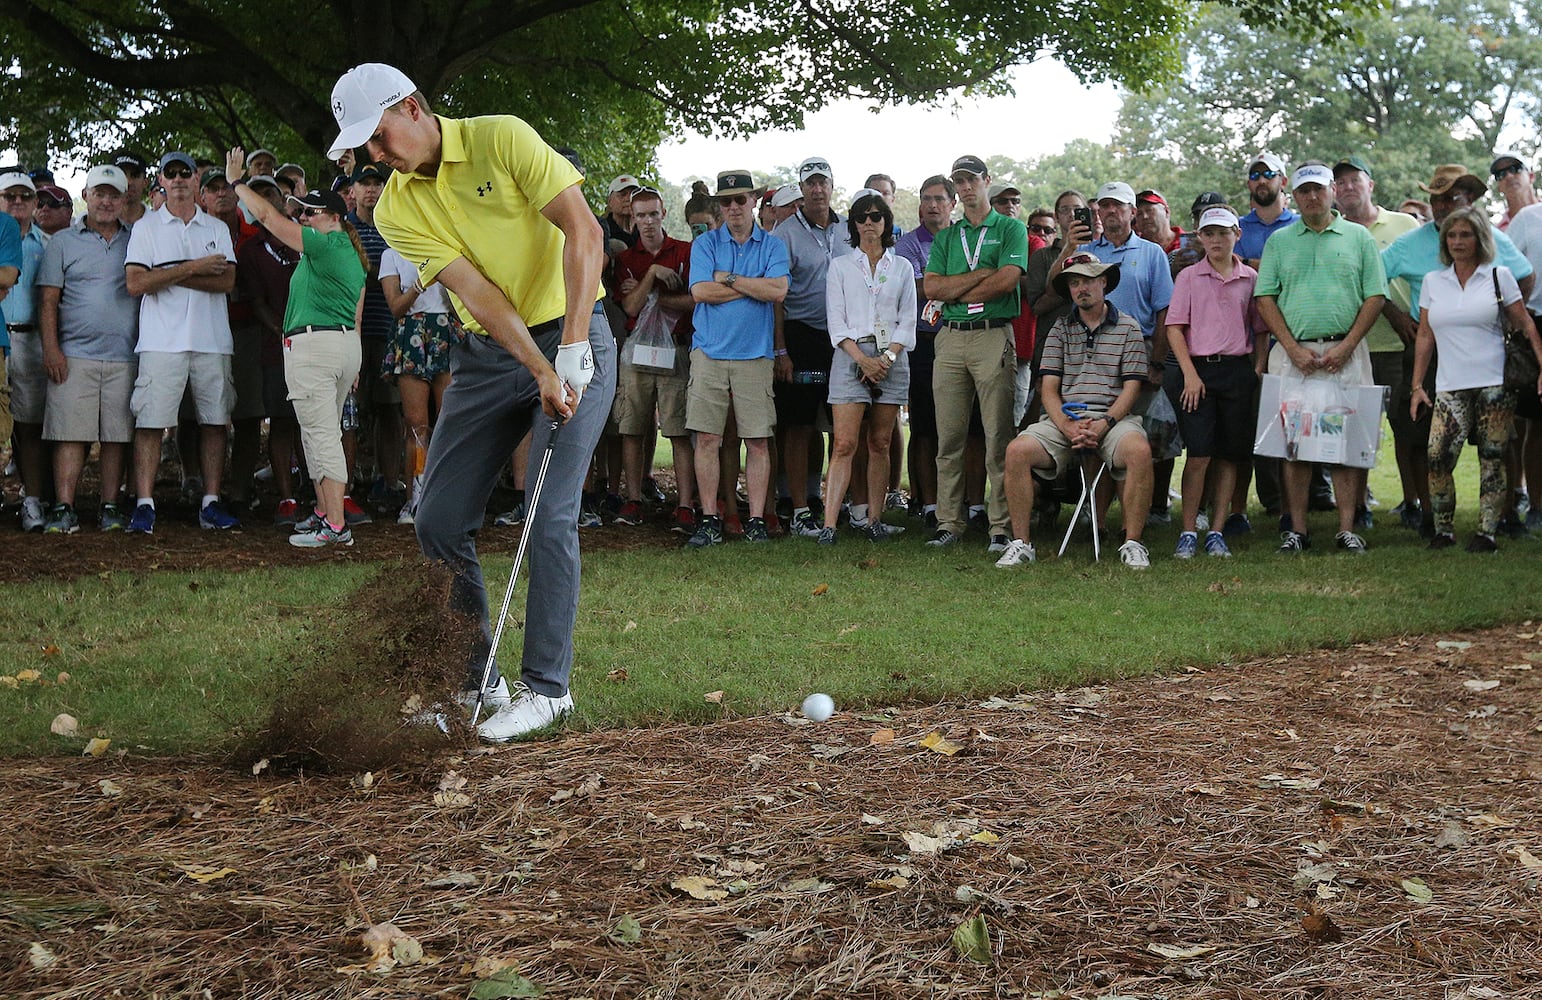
(972, 259)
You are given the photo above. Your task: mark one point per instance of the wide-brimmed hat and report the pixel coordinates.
(1449, 175)
(1085, 265)
(731, 182)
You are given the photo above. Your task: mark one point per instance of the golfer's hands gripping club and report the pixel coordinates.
(575, 370)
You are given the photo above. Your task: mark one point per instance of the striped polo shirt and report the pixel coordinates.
(1094, 365)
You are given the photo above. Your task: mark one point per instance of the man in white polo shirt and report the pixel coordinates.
(181, 265)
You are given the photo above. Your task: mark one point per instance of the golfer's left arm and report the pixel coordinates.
(583, 260)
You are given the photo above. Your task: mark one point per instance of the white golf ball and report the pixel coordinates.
(818, 707)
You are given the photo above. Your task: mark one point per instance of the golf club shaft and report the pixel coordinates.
(519, 557)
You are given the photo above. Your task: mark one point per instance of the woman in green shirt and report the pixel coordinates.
(321, 338)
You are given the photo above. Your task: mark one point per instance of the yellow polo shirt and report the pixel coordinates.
(495, 175)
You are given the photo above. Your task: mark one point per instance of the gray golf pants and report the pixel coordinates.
(490, 404)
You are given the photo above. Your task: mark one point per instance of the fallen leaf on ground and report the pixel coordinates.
(617, 676)
(1453, 644)
(1178, 952)
(687, 823)
(627, 930)
(95, 747)
(505, 984)
(698, 887)
(204, 874)
(1325, 891)
(40, 956)
(1320, 927)
(454, 880)
(1489, 819)
(452, 800)
(109, 787)
(64, 725)
(1480, 685)
(821, 589)
(972, 939)
(1200, 788)
(1526, 858)
(629, 626)
(388, 946)
(260, 766)
(984, 837)
(1310, 875)
(891, 882)
(870, 820)
(583, 789)
(937, 743)
(1452, 835)
(64, 677)
(28, 676)
(881, 736)
(713, 697)
(808, 885)
(920, 843)
(7, 681)
(1417, 890)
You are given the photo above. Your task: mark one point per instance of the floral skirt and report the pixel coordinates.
(420, 347)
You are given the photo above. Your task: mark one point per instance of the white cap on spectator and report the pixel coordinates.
(1218, 215)
(16, 179)
(1267, 159)
(107, 174)
(815, 166)
(1312, 173)
(623, 182)
(259, 152)
(785, 195)
(359, 98)
(1115, 191)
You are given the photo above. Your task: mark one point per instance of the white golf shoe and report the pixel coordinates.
(493, 698)
(526, 713)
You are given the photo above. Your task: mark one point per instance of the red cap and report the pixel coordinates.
(1151, 198)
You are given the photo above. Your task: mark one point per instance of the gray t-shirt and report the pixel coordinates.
(98, 320)
(810, 250)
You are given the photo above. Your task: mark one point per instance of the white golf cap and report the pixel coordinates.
(107, 174)
(1116, 191)
(260, 152)
(1268, 159)
(16, 179)
(622, 182)
(861, 193)
(1312, 173)
(815, 166)
(785, 195)
(1218, 216)
(359, 99)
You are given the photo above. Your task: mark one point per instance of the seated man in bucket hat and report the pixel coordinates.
(1094, 359)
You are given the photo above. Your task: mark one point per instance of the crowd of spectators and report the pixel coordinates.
(985, 353)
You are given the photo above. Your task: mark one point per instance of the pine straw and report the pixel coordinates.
(1129, 815)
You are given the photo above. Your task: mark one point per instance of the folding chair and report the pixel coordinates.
(1078, 411)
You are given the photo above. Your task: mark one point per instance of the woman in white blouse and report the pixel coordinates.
(870, 306)
(1459, 311)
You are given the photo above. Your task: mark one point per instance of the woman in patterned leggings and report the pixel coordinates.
(1460, 311)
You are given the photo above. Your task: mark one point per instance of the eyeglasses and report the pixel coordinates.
(176, 173)
(19, 195)
(48, 201)
(869, 217)
(1263, 175)
(1005, 200)
(1504, 172)
(735, 199)
(1042, 230)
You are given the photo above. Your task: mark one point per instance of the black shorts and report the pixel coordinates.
(799, 402)
(922, 407)
(1222, 426)
(1527, 403)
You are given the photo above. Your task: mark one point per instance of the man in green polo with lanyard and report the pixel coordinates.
(973, 271)
(487, 209)
(1320, 288)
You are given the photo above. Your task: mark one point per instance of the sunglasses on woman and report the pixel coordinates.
(869, 217)
(310, 213)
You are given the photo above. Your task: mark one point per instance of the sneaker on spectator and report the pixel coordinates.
(998, 544)
(1408, 515)
(321, 537)
(684, 521)
(215, 517)
(784, 508)
(1482, 543)
(651, 491)
(509, 518)
(143, 520)
(526, 713)
(1442, 540)
(1188, 545)
(1158, 518)
(354, 514)
(1016, 553)
(708, 532)
(312, 522)
(286, 513)
(630, 514)
(32, 516)
(979, 521)
(943, 538)
(112, 518)
(1293, 541)
(1350, 542)
(876, 531)
(929, 520)
(889, 529)
(62, 520)
(612, 504)
(589, 513)
(1134, 555)
(407, 515)
(755, 530)
(1237, 524)
(1511, 527)
(1363, 519)
(1215, 545)
(804, 525)
(827, 536)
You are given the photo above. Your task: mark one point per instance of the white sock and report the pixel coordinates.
(208, 498)
(859, 514)
(929, 508)
(146, 502)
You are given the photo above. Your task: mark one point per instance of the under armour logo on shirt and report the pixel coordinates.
(484, 190)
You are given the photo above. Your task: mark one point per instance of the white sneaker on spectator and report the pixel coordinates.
(527, 713)
(32, 516)
(1018, 552)
(1134, 555)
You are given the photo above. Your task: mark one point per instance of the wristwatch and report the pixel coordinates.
(729, 281)
(890, 355)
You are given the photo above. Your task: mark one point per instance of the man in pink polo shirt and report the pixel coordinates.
(1214, 332)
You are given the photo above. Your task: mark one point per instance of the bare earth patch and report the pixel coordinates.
(1351, 823)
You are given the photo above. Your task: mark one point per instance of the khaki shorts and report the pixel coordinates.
(6, 427)
(28, 378)
(1357, 372)
(320, 369)
(715, 384)
(92, 403)
(641, 392)
(164, 375)
(1059, 446)
(246, 369)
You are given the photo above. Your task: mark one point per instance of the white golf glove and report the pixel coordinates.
(575, 365)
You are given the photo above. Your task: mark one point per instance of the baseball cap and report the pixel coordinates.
(41, 175)
(124, 159)
(209, 176)
(1205, 200)
(997, 190)
(1507, 154)
(359, 98)
(814, 166)
(622, 182)
(1268, 159)
(861, 193)
(1115, 191)
(785, 195)
(969, 165)
(16, 179)
(291, 168)
(320, 198)
(1218, 216)
(1150, 197)
(1356, 162)
(54, 193)
(1311, 173)
(107, 173)
(252, 182)
(378, 171)
(176, 157)
(259, 152)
